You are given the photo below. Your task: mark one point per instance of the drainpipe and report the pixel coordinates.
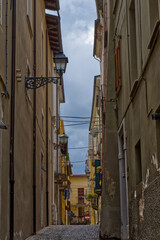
(57, 155)
(6, 47)
(34, 128)
(12, 119)
(47, 193)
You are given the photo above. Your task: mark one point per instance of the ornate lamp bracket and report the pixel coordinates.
(37, 82)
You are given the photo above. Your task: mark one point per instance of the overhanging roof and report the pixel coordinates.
(54, 32)
(95, 89)
(52, 5)
(99, 6)
(97, 39)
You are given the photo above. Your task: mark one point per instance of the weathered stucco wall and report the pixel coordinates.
(23, 157)
(136, 104)
(110, 212)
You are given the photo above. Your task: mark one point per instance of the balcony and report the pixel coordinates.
(95, 206)
(62, 187)
(52, 5)
(59, 178)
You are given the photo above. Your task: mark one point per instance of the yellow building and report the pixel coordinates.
(79, 203)
(64, 187)
(95, 152)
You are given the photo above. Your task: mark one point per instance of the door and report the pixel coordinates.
(123, 182)
(42, 191)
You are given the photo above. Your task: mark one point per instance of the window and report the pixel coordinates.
(138, 162)
(0, 12)
(118, 82)
(80, 195)
(29, 14)
(42, 121)
(105, 39)
(154, 13)
(133, 45)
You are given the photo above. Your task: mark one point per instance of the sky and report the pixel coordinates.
(77, 25)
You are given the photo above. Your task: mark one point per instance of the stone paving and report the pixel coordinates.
(61, 232)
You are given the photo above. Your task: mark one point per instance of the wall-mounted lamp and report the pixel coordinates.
(2, 125)
(63, 142)
(60, 61)
(87, 173)
(63, 139)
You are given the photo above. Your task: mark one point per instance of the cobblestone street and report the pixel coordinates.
(87, 232)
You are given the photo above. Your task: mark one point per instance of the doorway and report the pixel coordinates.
(122, 156)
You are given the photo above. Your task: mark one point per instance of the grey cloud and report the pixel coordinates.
(77, 19)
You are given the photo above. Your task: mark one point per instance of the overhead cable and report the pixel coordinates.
(78, 148)
(75, 124)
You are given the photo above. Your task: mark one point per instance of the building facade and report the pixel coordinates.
(129, 47)
(30, 38)
(65, 185)
(104, 51)
(78, 199)
(95, 150)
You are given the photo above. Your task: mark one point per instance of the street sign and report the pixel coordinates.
(87, 217)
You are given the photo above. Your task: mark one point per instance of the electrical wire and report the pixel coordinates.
(75, 121)
(78, 148)
(78, 124)
(75, 117)
(79, 162)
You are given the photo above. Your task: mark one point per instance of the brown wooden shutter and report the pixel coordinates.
(118, 82)
(80, 195)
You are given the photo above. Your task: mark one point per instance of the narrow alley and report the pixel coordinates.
(79, 119)
(62, 232)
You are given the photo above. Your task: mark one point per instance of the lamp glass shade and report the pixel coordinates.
(60, 61)
(2, 125)
(88, 173)
(63, 139)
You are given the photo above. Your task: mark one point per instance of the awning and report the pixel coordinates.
(54, 32)
(52, 5)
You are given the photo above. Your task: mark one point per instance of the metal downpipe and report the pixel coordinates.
(34, 128)
(12, 119)
(47, 192)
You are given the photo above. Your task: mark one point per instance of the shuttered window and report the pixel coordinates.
(80, 195)
(0, 12)
(118, 82)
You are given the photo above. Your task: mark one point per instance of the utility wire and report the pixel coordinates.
(75, 124)
(78, 148)
(79, 162)
(76, 117)
(75, 121)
